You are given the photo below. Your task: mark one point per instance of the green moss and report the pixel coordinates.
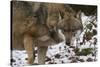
(89, 26)
(84, 52)
(94, 32)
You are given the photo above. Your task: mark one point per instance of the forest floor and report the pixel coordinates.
(84, 51)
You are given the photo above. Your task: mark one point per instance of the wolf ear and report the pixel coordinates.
(78, 14)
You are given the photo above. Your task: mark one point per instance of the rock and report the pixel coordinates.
(74, 61)
(71, 47)
(89, 59)
(62, 61)
(51, 63)
(71, 58)
(94, 32)
(57, 56)
(68, 51)
(81, 60)
(66, 55)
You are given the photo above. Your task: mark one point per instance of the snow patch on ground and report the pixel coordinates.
(61, 53)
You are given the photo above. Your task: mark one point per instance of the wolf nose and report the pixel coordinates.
(68, 43)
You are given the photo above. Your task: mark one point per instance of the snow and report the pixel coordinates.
(66, 54)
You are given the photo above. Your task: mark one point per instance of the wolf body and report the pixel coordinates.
(37, 24)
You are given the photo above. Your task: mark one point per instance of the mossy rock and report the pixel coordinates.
(89, 26)
(94, 32)
(85, 52)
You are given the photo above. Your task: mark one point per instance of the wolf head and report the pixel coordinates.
(70, 25)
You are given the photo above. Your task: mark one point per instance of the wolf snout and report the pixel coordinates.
(67, 43)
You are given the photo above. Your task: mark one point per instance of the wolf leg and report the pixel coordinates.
(42, 54)
(28, 44)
